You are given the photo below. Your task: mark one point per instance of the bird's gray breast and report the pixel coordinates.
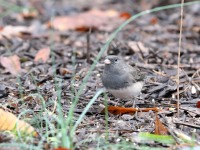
(115, 81)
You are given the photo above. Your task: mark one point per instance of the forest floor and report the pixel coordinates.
(44, 59)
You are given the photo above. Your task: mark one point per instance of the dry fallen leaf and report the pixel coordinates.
(29, 14)
(90, 19)
(160, 129)
(10, 31)
(198, 104)
(64, 71)
(42, 55)
(154, 20)
(12, 64)
(10, 122)
(137, 47)
(122, 110)
(125, 15)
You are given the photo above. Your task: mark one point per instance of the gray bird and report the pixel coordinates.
(120, 79)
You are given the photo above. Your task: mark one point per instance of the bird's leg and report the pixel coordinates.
(136, 113)
(133, 100)
(117, 103)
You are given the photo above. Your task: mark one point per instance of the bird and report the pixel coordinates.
(121, 79)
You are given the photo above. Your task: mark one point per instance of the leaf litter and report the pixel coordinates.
(150, 42)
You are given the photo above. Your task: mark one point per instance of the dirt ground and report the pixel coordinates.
(150, 42)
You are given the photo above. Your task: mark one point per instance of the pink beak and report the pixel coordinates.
(107, 61)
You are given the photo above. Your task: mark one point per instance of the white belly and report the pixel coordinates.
(129, 92)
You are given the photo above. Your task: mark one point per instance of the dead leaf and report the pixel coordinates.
(137, 47)
(125, 15)
(10, 122)
(145, 5)
(64, 71)
(42, 55)
(29, 14)
(12, 64)
(36, 28)
(198, 104)
(154, 20)
(10, 31)
(160, 129)
(90, 19)
(122, 110)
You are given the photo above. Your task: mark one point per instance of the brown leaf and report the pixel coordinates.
(10, 31)
(64, 71)
(90, 19)
(198, 104)
(12, 64)
(10, 122)
(42, 55)
(125, 15)
(154, 20)
(137, 47)
(159, 127)
(122, 110)
(27, 14)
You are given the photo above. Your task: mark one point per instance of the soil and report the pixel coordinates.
(150, 42)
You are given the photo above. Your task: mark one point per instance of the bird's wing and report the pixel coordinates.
(136, 74)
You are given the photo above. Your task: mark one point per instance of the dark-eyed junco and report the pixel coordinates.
(120, 79)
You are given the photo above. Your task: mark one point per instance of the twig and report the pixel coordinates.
(187, 124)
(55, 106)
(88, 45)
(140, 51)
(190, 111)
(109, 131)
(153, 66)
(179, 55)
(170, 128)
(195, 73)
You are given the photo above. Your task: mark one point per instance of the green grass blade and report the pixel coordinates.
(158, 138)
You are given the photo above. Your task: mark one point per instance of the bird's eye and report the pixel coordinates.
(116, 60)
